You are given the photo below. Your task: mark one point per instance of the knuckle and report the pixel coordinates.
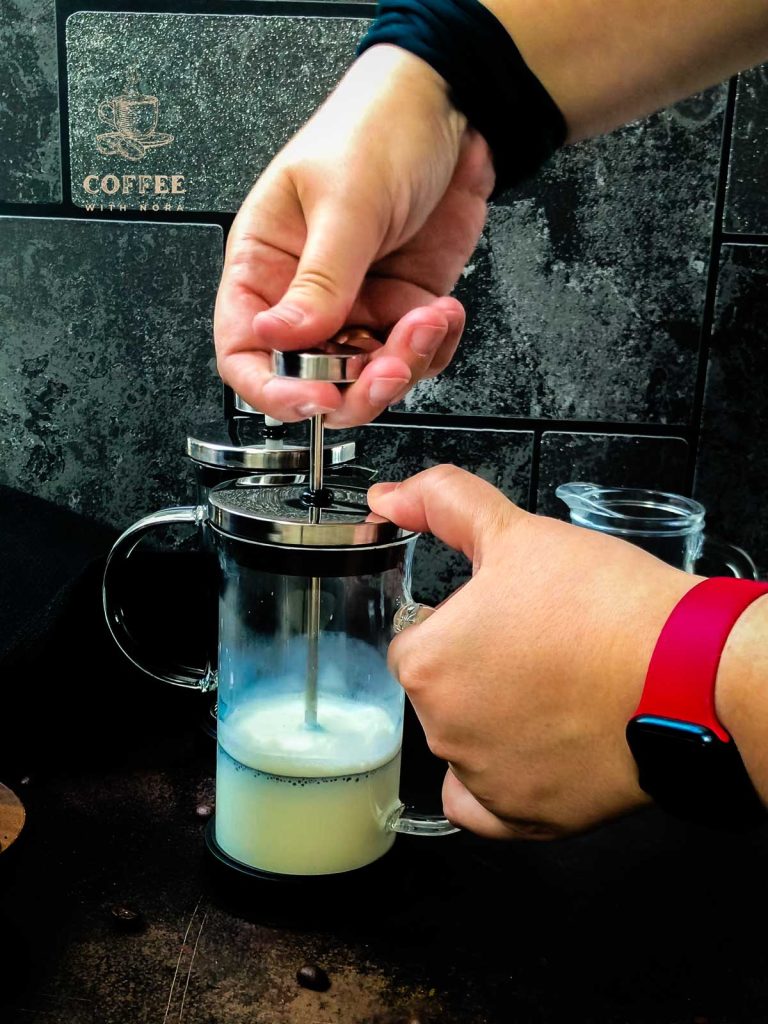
(315, 279)
(442, 749)
(413, 672)
(441, 475)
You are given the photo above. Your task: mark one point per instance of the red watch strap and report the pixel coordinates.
(680, 682)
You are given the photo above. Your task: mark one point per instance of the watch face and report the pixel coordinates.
(692, 773)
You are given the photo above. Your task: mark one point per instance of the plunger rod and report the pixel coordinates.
(316, 446)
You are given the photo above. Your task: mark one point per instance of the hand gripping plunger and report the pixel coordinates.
(336, 363)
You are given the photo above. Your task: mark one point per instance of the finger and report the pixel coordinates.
(420, 338)
(403, 360)
(457, 507)
(464, 810)
(342, 241)
(426, 337)
(456, 316)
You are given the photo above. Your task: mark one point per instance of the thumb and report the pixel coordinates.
(457, 507)
(342, 242)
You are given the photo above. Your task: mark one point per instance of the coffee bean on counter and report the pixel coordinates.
(314, 977)
(126, 919)
(204, 810)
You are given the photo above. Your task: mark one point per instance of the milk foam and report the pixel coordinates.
(270, 735)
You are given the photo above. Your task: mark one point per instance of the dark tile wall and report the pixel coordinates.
(227, 91)
(603, 296)
(585, 295)
(106, 354)
(503, 457)
(747, 203)
(613, 460)
(733, 465)
(30, 165)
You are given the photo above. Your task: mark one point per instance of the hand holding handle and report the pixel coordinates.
(412, 822)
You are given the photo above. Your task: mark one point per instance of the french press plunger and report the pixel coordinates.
(309, 718)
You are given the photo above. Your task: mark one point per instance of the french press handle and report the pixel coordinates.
(200, 678)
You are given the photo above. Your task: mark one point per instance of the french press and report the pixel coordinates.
(311, 584)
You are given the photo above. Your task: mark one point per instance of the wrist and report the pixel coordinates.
(687, 758)
(408, 79)
(741, 691)
(654, 599)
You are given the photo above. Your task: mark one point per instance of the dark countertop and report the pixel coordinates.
(645, 920)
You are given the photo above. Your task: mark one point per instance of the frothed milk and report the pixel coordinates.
(308, 801)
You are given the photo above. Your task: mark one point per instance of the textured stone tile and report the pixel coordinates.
(584, 296)
(732, 467)
(746, 205)
(106, 357)
(501, 457)
(615, 460)
(228, 91)
(30, 166)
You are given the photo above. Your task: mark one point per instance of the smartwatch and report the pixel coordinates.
(686, 760)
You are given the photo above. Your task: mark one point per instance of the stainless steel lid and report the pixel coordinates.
(246, 442)
(281, 515)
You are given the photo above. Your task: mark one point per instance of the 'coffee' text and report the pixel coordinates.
(144, 184)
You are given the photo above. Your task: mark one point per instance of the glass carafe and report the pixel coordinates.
(309, 718)
(670, 526)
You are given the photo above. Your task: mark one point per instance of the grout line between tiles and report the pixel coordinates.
(743, 238)
(708, 312)
(525, 423)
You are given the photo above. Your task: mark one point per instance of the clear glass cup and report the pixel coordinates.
(309, 723)
(670, 526)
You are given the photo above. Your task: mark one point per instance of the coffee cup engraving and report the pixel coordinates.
(133, 119)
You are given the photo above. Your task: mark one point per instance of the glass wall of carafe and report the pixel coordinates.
(670, 526)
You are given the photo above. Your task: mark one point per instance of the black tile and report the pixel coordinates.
(746, 206)
(227, 91)
(614, 460)
(585, 294)
(501, 457)
(732, 466)
(107, 356)
(30, 162)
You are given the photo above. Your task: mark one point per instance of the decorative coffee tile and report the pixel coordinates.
(584, 296)
(30, 166)
(185, 111)
(106, 357)
(614, 460)
(732, 466)
(501, 457)
(746, 206)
